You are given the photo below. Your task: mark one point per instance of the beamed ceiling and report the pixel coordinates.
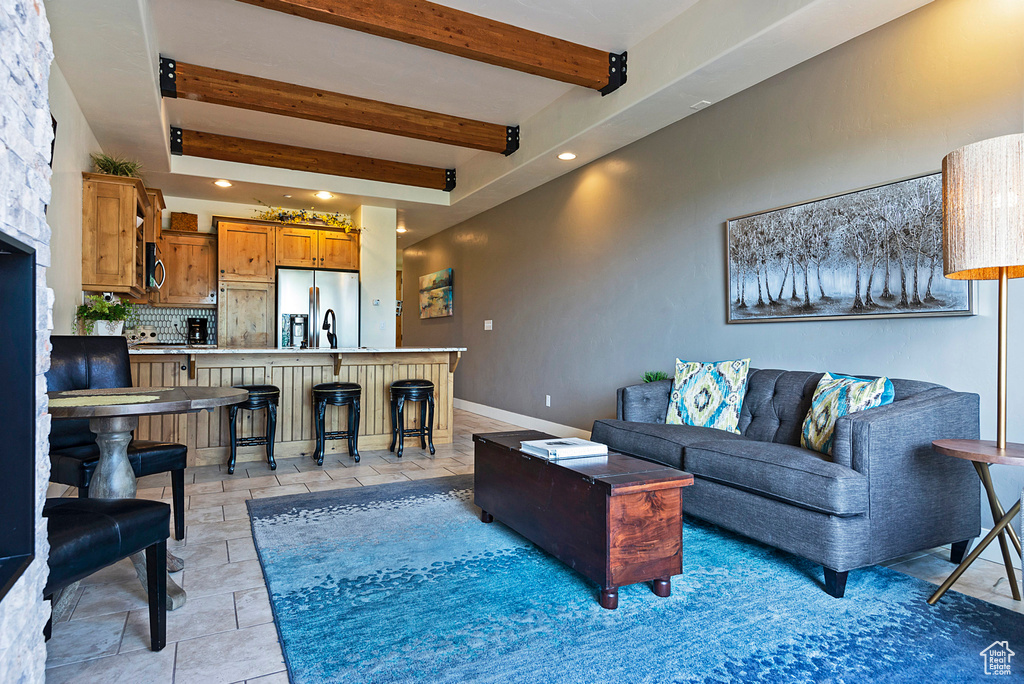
(440, 110)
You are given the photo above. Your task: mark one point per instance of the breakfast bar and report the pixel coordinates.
(295, 372)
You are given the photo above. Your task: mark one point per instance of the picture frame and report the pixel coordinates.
(870, 253)
(436, 294)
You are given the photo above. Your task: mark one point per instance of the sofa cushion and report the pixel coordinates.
(654, 441)
(780, 471)
(708, 394)
(836, 397)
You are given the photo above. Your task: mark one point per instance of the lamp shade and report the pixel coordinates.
(983, 209)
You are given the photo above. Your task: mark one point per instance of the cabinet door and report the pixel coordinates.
(109, 238)
(191, 263)
(339, 249)
(245, 314)
(246, 252)
(297, 247)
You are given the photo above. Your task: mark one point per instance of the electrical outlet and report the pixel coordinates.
(382, 325)
(547, 400)
(488, 325)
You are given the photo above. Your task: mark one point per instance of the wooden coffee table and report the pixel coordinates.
(615, 519)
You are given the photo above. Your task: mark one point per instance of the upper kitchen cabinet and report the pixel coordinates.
(245, 314)
(297, 247)
(114, 210)
(246, 252)
(338, 249)
(152, 226)
(190, 263)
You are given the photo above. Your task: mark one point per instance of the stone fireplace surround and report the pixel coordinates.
(25, 137)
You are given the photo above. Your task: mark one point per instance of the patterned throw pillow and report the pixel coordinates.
(837, 396)
(708, 394)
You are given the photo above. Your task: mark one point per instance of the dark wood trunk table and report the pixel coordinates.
(615, 519)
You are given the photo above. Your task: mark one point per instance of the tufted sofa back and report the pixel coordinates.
(777, 402)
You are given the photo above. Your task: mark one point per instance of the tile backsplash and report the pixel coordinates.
(170, 322)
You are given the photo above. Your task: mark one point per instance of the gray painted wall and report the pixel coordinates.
(619, 267)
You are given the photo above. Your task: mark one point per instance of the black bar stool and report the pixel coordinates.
(337, 394)
(260, 397)
(412, 390)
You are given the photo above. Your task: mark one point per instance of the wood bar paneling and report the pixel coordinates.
(207, 434)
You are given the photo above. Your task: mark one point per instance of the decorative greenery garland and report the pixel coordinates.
(281, 215)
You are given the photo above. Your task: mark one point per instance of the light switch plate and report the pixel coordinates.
(488, 325)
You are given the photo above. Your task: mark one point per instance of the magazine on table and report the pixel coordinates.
(566, 447)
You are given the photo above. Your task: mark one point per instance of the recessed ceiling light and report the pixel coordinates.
(401, 229)
(323, 194)
(222, 183)
(567, 156)
(287, 196)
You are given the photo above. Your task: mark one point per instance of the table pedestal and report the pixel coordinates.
(115, 479)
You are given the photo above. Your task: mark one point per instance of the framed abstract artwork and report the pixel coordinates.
(436, 294)
(873, 253)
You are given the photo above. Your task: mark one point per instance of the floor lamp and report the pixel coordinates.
(983, 239)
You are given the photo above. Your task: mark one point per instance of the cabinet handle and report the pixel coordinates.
(222, 270)
(222, 289)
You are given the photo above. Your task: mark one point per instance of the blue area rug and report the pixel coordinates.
(403, 583)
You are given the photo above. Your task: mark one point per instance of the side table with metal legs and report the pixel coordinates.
(982, 453)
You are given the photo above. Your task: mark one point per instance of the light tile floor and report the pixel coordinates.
(225, 633)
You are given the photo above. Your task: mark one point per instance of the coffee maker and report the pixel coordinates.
(197, 333)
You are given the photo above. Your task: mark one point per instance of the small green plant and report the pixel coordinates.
(654, 376)
(116, 166)
(102, 308)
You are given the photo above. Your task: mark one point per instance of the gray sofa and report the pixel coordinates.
(883, 493)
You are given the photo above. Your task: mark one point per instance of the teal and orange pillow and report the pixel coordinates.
(708, 394)
(837, 396)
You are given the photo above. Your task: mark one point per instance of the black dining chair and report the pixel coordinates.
(85, 362)
(87, 535)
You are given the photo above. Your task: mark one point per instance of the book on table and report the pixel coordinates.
(566, 447)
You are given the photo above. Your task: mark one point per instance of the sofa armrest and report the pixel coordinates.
(645, 403)
(917, 498)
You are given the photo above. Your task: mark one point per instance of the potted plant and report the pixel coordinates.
(103, 315)
(654, 376)
(116, 166)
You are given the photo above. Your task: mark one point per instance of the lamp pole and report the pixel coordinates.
(1001, 382)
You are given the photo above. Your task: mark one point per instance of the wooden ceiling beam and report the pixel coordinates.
(437, 27)
(205, 84)
(260, 153)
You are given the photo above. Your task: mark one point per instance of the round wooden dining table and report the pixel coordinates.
(113, 414)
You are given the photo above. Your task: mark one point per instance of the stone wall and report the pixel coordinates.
(25, 135)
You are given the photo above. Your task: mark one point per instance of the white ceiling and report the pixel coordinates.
(680, 52)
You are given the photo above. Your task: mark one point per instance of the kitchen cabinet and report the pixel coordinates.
(152, 225)
(113, 237)
(245, 314)
(190, 263)
(317, 248)
(246, 252)
(152, 228)
(297, 247)
(338, 249)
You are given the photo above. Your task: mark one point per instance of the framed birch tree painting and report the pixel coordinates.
(867, 254)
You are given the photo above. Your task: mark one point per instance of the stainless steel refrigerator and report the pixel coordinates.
(312, 293)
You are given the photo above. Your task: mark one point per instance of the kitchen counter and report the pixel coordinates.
(294, 372)
(209, 349)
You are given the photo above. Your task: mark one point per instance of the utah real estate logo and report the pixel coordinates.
(997, 658)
